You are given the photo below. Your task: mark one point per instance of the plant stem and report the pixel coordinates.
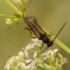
(6, 16)
(13, 7)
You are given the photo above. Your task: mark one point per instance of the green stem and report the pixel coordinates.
(6, 16)
(13, 7)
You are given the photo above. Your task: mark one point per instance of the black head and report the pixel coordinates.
(50, 43)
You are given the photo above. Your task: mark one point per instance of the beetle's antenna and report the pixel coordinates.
(37, 56)
(59, 31)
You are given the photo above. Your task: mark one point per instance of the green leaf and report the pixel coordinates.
(18, 16)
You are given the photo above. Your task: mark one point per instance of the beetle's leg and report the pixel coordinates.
(32, 36)
(30, 32)
(49, 32)
(42, 46)
(27, 28)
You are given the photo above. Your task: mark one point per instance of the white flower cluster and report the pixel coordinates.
(50, 60)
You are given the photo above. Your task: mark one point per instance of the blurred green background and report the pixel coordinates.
(49, 13)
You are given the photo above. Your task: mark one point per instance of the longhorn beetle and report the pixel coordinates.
(39, 32)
